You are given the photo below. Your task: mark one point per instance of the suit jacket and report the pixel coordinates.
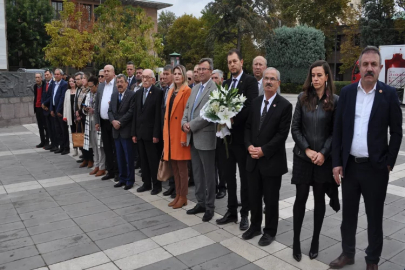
(247, 86)
(59, 97)
(203, 132)
(43, 85)
(123, 112)
(146, 122)
(164, 104)
(385, 114)
(271, 137)
(261, 90)
(133, 83)
(99, 96)
(46, 97)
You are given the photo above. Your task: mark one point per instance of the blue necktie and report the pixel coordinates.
(120, 97)
(234, 83)
(195, 101)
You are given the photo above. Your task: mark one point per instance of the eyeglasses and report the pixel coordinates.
(272, 79)
(146, 77)
(202, 69)
(101, 76)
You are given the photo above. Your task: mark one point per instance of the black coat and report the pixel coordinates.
(271, 137)
(46, 97)
(122, 112)
(146, 123)
(43, 85)
(386, 114)
(247, 86)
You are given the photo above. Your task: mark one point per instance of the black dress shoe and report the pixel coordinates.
(116, 178)
(297, 257)
(40, 145)
(137, 165)
(169, 191)
(128, 187)
(227, 218)
(156, 191)
(266, 240)
(250, 233)
(119, 185)
(313, 251)
(79, 160)
(173, 195)
(48, 147)
(53, 149)
(60, 150)
(208, 215)
(107, 176)
(81, 156)
(65, 152)
(191, 183)
(143, 188)
(244, 223)
(197, 209)
(221, 194)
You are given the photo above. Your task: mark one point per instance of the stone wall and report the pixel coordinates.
(16, 98)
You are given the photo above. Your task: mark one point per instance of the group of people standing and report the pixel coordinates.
(338, 140)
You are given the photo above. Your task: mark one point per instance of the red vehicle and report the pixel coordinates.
(356, 72)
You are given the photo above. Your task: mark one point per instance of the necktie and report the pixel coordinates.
(120, 97)
(166, 91)
(264, 113)
(145, 91)
(195, 101)
(129, 81)
(47, 85)
(234, 83)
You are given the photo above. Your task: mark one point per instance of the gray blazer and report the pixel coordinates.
(122, 112)
(97, 105)
(203, 132)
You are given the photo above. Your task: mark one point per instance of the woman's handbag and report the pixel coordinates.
(78, 138)
(165, 170)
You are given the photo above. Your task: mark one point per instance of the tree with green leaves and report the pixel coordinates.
(293, 50)
(71, 41)
(125, 33)
(26, 35)
(165, 22)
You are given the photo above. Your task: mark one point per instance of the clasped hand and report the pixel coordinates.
(255, 152)
(316, 157)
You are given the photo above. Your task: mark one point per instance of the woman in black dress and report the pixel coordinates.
(311, 130)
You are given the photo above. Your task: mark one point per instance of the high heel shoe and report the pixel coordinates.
(181, 202)
(297, 252)
(313, 252)
(174, 201)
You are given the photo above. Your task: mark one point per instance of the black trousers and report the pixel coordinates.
(42, 127)
(63, 131)
(109, 147)
(268, 187)
(220, 180)
(150, 155)
(237, 155)
(50, 128)
(362, 179)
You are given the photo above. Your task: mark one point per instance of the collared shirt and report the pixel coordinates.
(106, 98)
(147, 92)
(55, 90)
(259, 83)
(122, 94)
(137, 87)
(364, 104)
(270, 102)
(237, 80)
(205, 84)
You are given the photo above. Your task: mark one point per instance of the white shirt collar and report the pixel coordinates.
(359, 87)
(270, 99)
(205, 84)
(238, 78)
(110, 83)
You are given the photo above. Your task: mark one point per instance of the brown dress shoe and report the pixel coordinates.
(372, 266)
(100, 173)
(341, 261)
(90, 165)
(174, 201)
(181, 202)
(84, 164)
(94, 171)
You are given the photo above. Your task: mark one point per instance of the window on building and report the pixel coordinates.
(88, 8)
(58, 7)
(95, 15)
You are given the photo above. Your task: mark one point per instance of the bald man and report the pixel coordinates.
(259, 65)
(102, 122)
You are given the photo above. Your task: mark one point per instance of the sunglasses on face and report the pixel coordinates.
(101, 76)
(189, 79)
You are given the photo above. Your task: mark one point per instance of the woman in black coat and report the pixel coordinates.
(311, 129)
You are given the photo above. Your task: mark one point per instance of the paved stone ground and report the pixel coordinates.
(53, 215)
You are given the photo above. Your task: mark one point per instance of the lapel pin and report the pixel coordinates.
(380, 91)
(274, 105)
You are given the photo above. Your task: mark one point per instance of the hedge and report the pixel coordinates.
(295, 88)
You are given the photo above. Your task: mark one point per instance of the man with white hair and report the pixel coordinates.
(101, 78)
(217, 76)
(259, 65)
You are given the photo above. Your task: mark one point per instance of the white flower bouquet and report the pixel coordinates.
(223, 104)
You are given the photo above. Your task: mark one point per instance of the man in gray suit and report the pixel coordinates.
(120, 115)
(102, 121)
(259, 66)
(201, 137)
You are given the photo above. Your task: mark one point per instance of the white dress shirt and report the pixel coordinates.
(55, 90)
(270, 102)
(259, 83)
(237, 80)
(147, 92)
(364, 103)
(106, 98)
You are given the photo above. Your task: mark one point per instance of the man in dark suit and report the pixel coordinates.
(190, 78)
(38, 88)
(265, 134)
(246, 85)
(58, 96)
(120, 113)
(131, 76)
(146, 131)
(361, 154)
(46, 104)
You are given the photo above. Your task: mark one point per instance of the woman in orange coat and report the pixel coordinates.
(175, 149)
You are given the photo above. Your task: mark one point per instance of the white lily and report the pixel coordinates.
(226, 116)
